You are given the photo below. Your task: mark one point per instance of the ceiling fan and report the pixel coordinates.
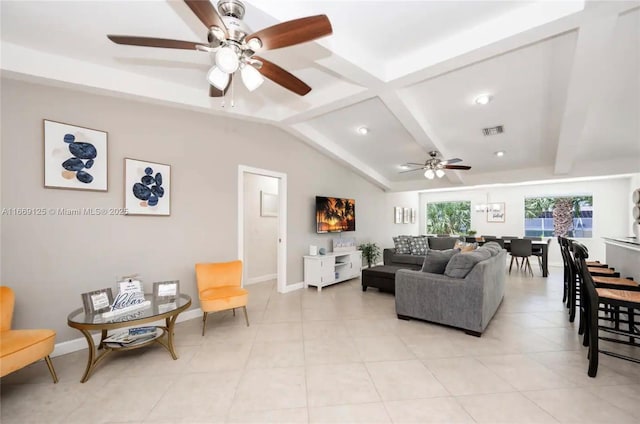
(435, 167)
(235, 45)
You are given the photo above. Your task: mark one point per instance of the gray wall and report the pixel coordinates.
(51, 260)
(260, 232)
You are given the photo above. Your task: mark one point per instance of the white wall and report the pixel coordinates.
(260, 232)
(51, 260)
(610, 210)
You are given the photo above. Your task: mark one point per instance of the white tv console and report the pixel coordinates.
(323, 270)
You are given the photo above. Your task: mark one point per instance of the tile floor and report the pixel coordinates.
(342, 356)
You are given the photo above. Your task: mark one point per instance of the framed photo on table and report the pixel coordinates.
(166, 291)
(496, 213)
(97, 301)
(147, 188)
(74, 157)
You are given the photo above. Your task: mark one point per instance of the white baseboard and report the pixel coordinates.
(80, 343)
(293, 287)
(260, 279)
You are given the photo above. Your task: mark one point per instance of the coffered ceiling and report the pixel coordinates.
(564, 78)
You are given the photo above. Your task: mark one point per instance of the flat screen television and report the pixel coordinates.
(334, 215)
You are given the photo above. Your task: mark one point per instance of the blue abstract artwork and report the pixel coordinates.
(147, 188)
(75, 157)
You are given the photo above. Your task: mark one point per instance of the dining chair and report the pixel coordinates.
(624, 330)
(19, 348)
(521, 248)
(219, 288)
(538, 251)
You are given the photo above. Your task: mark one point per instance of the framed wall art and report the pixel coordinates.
(147, 188)
(74, 157)
(397, 215)
(407, 215)
(496, 213)
(268, 204)
(413, 215)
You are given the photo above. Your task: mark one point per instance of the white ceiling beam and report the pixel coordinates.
(500, 28)
(590, 63)
(418, 126)
(332, 149)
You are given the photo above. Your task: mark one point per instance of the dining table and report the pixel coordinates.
(542, 245)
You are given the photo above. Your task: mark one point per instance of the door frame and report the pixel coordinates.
(281, 268)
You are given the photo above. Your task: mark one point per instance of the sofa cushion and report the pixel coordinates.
(460, 265)
(402, 245)
(436, 261)
(419, 245)
(493, 247)
(442, 243)
(408, 259)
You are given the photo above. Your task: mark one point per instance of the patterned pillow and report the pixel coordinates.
(402, 245)
(419, 246)
(465, 247)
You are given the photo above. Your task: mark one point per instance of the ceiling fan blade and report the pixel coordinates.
(208, 14)
(284, 78)
(154, 42)
(293, 32)
(411, 170)
(414, 164)
(461, 167)
(215, 92)
(450, 161)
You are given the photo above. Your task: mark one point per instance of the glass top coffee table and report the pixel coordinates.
(86, 323)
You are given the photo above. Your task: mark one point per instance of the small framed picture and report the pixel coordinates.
(147, 188)
(397, 215)
(74, 157)
(496, 212)
(166, 290)
(268, 204)
(407, 215)
(97, 301)
(413, 215)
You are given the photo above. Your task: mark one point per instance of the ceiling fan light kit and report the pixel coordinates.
(217, 78)
(434, 167)
(233, 45)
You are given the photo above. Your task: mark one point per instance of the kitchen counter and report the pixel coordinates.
(623, 254)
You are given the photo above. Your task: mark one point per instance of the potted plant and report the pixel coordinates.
(370, 252)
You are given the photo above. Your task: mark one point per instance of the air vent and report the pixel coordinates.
(493, 130)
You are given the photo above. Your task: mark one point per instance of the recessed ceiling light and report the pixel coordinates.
(404, 166)
(363, 130)
(483, 99)
(499, 153)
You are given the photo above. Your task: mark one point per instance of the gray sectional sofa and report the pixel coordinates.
(391, 258)
(468, 303)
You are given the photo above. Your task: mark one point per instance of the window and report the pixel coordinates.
(448, 217)
(567, 216)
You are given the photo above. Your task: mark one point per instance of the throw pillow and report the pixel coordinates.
(419, 245)
(402, 245)
(461, 265)
(465, 247)
(435, 261)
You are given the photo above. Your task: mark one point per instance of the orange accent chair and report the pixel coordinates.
(219, 288)
(19, 348)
